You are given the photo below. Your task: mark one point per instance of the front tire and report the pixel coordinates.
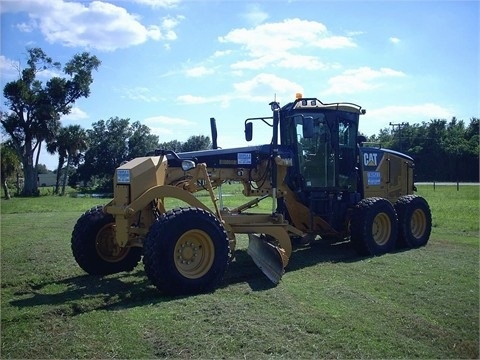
(186, 251)
(94, 247)
(415, 221)
(374, 226)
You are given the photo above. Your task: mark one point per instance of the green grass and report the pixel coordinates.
(421, 303)
(455, 212)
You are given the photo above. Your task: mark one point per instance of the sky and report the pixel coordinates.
(173, 64)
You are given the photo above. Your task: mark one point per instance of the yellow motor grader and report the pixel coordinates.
(323, 180)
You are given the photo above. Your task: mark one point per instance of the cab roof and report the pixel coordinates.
(313, 103)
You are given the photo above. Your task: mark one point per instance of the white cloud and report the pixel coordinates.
(359, 80)
(255, 15)
(47, 74)
(166, 120)
(158, 3)
(424, 111)
(141, 94)
(168, 25)
(9, 68)
(199, 71)
(97, 24)
(194, 100)
(20, 6)
(305, 62)
(394, 40)
(161, 132)
(283, 60)
(222, 53)
(284, 44)
(380, 118)
(263, 87)
(355, 33)
(164, 125)
(76, 114)
(27, 27)
(335, 42)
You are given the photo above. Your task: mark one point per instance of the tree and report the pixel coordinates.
(174, 145)
(108, 149)
(36, 108)
(10, 164)
(384, 137)
(443, 151)
(114, 141)
(58, 146)
(69, 142)
(141, 140)
(41, 169)
(472, 135)
(196, 142)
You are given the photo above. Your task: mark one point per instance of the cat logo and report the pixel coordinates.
(370, 159)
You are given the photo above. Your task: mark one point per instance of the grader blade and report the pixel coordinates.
(269, 258)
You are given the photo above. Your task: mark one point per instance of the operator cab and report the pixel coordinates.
(324, 138)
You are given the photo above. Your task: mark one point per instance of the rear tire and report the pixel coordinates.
(94, 248)
(415, 221)
(186, 251)
(374, 226)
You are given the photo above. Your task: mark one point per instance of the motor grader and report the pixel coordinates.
(324, 182)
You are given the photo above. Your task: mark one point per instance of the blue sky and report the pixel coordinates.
(173, 64)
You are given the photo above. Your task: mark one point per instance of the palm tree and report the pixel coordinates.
(70, 141)
(10, 164)
(58, 145)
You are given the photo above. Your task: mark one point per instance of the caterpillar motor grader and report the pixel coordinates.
(322, 180)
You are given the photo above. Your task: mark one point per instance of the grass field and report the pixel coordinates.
(421, 303)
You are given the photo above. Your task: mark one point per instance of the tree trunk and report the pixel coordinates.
(30, 179)
(57, 181)
(5, 189)
(38, 153)
(65, 175)
(59, 173)
(18, 184)
(30, 185)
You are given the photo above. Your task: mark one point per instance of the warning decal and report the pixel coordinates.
(244, 158)
(373, 178)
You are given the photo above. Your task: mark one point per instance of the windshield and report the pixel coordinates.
(327, 159)
(316, 154)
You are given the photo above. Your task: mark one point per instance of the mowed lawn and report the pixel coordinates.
(331, 303)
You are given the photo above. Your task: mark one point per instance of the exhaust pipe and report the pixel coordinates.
(213, 128)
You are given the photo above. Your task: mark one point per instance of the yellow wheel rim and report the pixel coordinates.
(418, 223)
(194, 254)
(381, 228)
(106, 247)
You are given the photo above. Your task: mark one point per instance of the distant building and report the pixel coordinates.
(47, 179)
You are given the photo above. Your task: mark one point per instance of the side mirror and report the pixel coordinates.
(248, 131)
(308, 127)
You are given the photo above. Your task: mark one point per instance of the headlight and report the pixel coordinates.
(188, 165)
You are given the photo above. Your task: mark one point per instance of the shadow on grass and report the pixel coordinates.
(243, 269)
(80, 294)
